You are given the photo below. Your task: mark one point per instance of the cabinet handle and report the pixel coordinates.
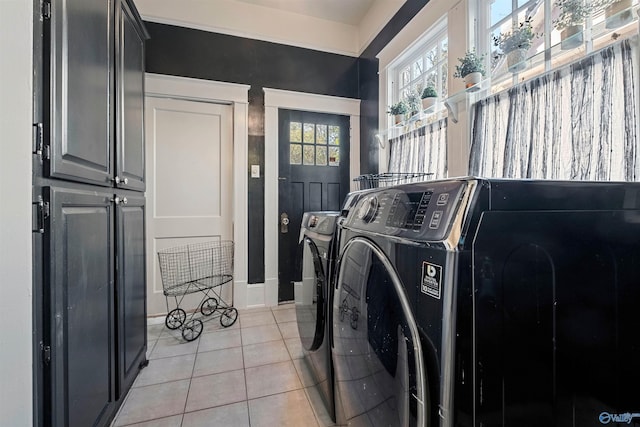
(119, 180)
(117, 200)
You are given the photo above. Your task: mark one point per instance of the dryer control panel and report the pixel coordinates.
(420, 211)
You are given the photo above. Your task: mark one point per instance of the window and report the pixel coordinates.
(604, 22)
(425, 65)
(314, 144)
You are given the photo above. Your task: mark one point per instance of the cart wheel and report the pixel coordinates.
(175, 318)
(354, 318)
(228, 317)
(192, 329)
(209, 306)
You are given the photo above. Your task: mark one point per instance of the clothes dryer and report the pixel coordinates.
(481, 302)
(317, 234)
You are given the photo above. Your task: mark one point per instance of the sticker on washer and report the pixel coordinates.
(431, 279)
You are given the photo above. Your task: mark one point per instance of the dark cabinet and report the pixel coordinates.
(129, 62)
(79, 246)
(80, 83)
(130, 296)
(92, 212)
(93, 41)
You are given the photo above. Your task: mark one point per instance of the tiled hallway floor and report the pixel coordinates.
(250, 374)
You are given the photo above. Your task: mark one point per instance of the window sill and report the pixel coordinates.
(413, 122)
(452, 102)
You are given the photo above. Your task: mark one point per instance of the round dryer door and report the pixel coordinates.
(377, 356)
(311, 305)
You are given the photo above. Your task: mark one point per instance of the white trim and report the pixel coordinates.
(195, 89)
(16, 122)
(238, 96)
(273, 100)
(323, 47)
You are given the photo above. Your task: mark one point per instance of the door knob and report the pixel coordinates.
(284, 222)
(119, 180)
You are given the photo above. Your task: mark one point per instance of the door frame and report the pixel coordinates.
(236, 95)
(267, 293)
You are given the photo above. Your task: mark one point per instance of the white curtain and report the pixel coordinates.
(423, 150)
(576, 123)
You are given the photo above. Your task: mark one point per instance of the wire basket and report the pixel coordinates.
(388, 179)
(199, 267)
(191, 268)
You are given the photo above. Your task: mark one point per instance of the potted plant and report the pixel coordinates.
(617, 13)
(471, 68)
(429, 97)
(398, 111)
(515, 44)
(413, 102)
(571, 19)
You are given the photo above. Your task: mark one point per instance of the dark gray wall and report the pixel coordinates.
(199, 54)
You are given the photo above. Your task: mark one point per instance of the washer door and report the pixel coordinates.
(377, 356)
(311, 304)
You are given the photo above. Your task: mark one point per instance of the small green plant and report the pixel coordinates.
(520, 37)
(414, 103)
(398, 109)
(429, 92)
(471, 63)
(574, 12)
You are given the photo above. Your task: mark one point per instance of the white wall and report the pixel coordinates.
(252, 21)
(273, 25)
(15, 212)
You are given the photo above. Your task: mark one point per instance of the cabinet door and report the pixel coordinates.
(81, 322)
(130, 289)
(80, 80)
(130, 38)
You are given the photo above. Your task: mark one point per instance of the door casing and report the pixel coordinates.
(267, 293)
(237, 95)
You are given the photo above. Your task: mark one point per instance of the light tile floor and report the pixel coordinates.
(250, 374)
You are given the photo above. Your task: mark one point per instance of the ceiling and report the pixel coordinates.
(348, 12)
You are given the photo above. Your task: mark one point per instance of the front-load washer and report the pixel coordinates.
(317, 234)
(482, 302)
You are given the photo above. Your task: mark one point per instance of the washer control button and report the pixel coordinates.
(443, 198)
(435, 219)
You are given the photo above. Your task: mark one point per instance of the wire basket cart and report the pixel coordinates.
(388, 179)
(199, 267)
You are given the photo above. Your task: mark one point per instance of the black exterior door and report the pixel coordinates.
(313, 176)
(81, 319)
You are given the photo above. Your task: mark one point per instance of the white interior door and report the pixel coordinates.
(189, 183)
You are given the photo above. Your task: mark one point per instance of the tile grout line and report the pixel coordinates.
(244, 373)
(193, 368)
